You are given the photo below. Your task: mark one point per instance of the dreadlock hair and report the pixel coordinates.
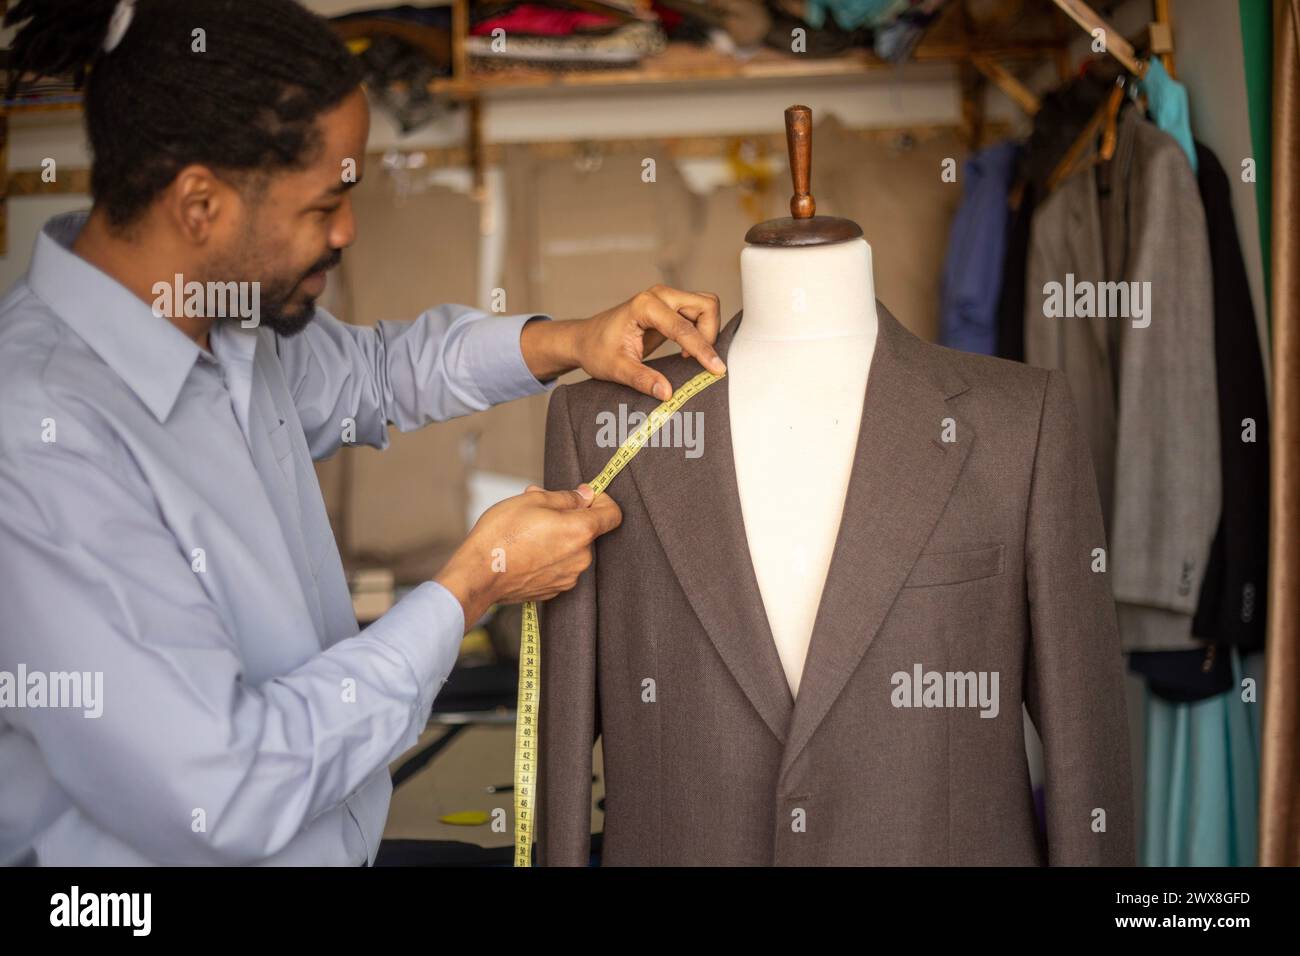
(243, 97)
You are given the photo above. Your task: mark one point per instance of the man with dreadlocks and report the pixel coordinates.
(181, 677)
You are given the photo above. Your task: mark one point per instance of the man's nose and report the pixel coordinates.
(343, 231)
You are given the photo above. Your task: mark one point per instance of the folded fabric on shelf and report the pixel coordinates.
(535, 19)
(851, 14)
(827, 40)
(623, 46)
(896, 41)
(746, 22)
(438, 17)
(398, 75)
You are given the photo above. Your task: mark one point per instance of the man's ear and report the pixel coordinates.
(196, 202)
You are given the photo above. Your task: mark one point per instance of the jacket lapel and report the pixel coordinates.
(903, 475)
(694, 507)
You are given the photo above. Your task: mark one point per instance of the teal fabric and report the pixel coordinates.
(1167, 106)
(851, 14)
(1202, 780)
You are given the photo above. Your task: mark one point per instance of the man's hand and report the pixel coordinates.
(613, 345)
(527, 548)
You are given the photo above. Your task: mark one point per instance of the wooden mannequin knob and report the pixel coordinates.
(798, 139)
(803, 227)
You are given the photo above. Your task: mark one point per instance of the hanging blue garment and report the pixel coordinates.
(971, 284)
(1167, 106)
(1202, 780)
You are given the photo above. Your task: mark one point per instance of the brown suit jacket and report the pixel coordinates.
(964, 556)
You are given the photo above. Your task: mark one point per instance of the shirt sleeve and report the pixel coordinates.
(182, 757)
(349, 382)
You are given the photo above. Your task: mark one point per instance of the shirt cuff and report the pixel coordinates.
(496, 361)
(426, 627)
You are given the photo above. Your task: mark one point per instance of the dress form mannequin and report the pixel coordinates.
(797, 370)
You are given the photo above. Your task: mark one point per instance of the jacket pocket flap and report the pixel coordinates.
(953, 567)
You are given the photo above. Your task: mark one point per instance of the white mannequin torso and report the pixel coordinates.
(797, 370)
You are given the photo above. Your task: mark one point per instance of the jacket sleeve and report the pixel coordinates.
(1075, 678)
(569, 720)
(1167, 469)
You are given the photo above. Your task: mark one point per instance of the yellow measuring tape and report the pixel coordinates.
(530, 656)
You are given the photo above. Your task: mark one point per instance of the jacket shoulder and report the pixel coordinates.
(985, 370)
(595, 393)
(992, 390)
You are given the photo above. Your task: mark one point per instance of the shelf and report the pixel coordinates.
(688, 63)
(680, 64)
(27, 109)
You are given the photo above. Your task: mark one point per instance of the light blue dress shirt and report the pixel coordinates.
(161, 526)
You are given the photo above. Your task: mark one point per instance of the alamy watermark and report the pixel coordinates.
(39, 689)
(1099, 300)
(678, 430)
(130, 910)
(214, 300)
(922, 688)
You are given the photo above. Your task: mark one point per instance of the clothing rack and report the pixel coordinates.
(1158, 38)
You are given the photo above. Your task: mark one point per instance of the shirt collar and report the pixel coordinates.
(147, 352)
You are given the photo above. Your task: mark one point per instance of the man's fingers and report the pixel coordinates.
(604, 514)
(565, 500)
(701, 307)
(643, 378)
(682, 330)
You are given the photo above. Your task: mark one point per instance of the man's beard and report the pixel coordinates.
(278, 314)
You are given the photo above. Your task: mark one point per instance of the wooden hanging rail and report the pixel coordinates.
(1008, 83)
(1159, 38)
(1116, 44)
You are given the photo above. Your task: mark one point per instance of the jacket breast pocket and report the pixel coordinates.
(954, 567)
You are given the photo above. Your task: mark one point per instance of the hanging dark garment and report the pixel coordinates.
(1061, 118)
(1231, 609)
(1011, 301)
